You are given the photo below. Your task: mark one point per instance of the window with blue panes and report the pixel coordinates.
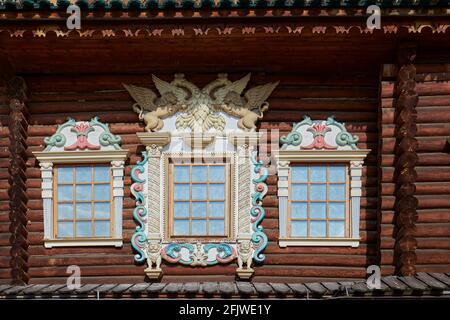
(199, 200)
(83, 202)
(318, 201)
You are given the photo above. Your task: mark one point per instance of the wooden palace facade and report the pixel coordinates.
(224, 142)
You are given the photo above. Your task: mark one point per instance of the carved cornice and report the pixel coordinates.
(405, 161)
(202, 29)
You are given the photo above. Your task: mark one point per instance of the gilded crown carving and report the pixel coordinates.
(200, 109)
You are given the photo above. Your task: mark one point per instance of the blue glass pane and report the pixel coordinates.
(199, 192)
(199, 209)
(181, 209)
(198, 227)
(336, 210)
(217, 173)
(299, 192)
(318, 192)
(65, 230)
(216, 227)
(101, 192)
(199, 173)
(299, 210)
(65, 193)
(65, 175)
(84, 229)
(83, 174)
(181, 174)
(318, 229)
(83, 192)
(101, 229)
(101, 174)
(65, 211)
(216, 209)
(181, 192)
(337, 228)
(299, 174)
(336, 173)
(318, 210)
(318, 174)
(337, 192)
(181, 227)
(217, 191)
(101, 210)
(84, 211)
(299, 229)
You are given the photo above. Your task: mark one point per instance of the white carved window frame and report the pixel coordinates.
(344, 152)
(151, 186)
(110, 153)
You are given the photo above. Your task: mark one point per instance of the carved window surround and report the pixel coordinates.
(216, 120)
(320, 142)
(102, 147)
(150, 187)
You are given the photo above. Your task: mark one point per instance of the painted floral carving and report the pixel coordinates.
(82, 131)
(319, 130)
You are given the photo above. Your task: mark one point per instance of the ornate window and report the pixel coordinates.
(199, 186)
(82, 188)
(319, 185)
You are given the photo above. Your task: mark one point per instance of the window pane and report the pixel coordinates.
(217, 173)
(101, 229)
(336, 210)
(299, 192)
(181, 209)
(84, 211)
(65, 230)
(318, 174)
(337, 228)
(318, 192)
(299, 174)
(181, 192)
(83, 174)
(299, 210)
(199, 173)
(337, 192)
(199, 209)
(65, 211)
(181, 227)
(216, 191)
(216, 227)
(318, 210)
(101, 174)
(101, 192)
(83, 192)
(198, 227)
(65, 175)
(84, 229)
(181, 174)
(318, 229)
(299, 229)
(336, 173)
(101, 210)
(65, 193)
(216, 209)
(199, 192)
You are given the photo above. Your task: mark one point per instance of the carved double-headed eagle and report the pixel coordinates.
(199, 108)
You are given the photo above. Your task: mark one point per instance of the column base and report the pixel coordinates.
(153, 273)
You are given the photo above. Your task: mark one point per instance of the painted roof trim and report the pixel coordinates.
(156, 5)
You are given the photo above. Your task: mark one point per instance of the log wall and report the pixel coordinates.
(352, 98)
(432, 228)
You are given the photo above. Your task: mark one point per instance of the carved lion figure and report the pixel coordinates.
(154, 255)
(245, 254)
